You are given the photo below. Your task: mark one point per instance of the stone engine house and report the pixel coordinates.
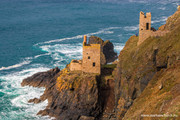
(91, 61)
(144, 26)
(145, 29)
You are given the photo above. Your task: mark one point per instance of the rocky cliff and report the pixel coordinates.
(71, 95)
(147, 79)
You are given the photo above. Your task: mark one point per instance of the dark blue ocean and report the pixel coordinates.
(36, 35)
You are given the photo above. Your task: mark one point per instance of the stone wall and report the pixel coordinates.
(76, 65)
(144, 27)
(91, 58)
(158, 33)
(91, 62)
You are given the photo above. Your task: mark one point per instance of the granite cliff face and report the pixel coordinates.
(147, 79)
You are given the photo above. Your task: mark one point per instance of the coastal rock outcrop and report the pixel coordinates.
(71, 95)
(42, 79)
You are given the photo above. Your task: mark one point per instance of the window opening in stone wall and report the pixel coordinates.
(147, 26)
(94, 64)
(88, 57)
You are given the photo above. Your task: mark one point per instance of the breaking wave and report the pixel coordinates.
(26, 61)
(103, 31)
(131, 28)
(162, 19)
(20, 95)
(16, 65)
(118, 47)
(70, 51)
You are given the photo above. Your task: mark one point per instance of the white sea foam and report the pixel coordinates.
(108, 32)
(118, 47)
(68, 50)
(162, 19)
(26, 61)
(16, 65)
(162, 8)
(102, 31)
(37, 56)
(131, 28)
(12, 86)
(14, 79)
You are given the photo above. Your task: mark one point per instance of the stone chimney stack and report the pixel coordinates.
(85, 40)
(144, 26)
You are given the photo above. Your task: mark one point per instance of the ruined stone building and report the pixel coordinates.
(144, 26)
(145, 29)
(91, 61)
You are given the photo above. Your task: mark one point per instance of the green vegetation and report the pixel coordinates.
(73, 80)
(112, 66)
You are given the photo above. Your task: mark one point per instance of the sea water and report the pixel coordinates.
(37, 35)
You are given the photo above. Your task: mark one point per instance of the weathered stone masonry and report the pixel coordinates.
(144, 26)
(91, 62)
(145, 29)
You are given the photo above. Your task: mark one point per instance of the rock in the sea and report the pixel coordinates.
(41, 79)
(108, 50)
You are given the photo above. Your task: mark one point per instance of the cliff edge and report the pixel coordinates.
(147, 79)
